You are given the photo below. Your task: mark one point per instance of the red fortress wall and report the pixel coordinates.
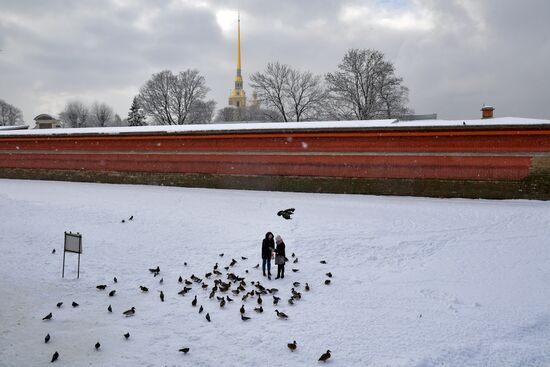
(487, 162)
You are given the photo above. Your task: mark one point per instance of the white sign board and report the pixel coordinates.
(73, 242)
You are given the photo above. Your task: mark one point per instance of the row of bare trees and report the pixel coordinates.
(77, 114)
(364, 87)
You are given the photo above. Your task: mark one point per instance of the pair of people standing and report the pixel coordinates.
(270, 247)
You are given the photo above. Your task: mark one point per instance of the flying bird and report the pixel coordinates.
(47, 338)
(54, 357)
(325, 356)
(155, 270)
(286, 213)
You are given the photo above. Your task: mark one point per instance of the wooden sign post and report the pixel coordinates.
(73, 243)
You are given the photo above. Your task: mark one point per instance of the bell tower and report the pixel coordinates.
(237, 97)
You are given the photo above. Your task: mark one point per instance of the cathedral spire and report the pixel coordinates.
(238, 97)
(239, 44)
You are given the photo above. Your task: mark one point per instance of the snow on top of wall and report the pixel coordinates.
(260, 126)
(16, 127)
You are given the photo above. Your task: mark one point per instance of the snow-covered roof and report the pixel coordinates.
(287, 126)
(43, 116)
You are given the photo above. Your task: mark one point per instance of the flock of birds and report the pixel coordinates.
(219, 291)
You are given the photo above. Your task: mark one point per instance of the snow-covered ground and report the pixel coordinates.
(416, 282)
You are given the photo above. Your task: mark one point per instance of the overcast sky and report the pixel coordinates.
(454, 55)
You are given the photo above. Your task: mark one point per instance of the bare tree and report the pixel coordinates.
(117, 121)
(249, 113)
(290, 94)
(270, 87)
(169, 98)
(307, 95)
(227, 114)
(10, 115)
(101, 115)
(75, 114)
(202, 112)
(365, 87)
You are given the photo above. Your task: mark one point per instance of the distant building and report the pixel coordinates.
(432, 116)
(45, 121)
(237, 97)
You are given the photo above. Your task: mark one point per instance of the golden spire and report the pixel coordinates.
(238, 43)
(237, 97)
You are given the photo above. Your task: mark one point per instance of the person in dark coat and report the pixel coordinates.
(268, 246)
(280, 257)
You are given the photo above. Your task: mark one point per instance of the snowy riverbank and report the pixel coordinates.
(416, 282)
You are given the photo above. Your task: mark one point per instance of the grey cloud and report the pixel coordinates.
(464, 53)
